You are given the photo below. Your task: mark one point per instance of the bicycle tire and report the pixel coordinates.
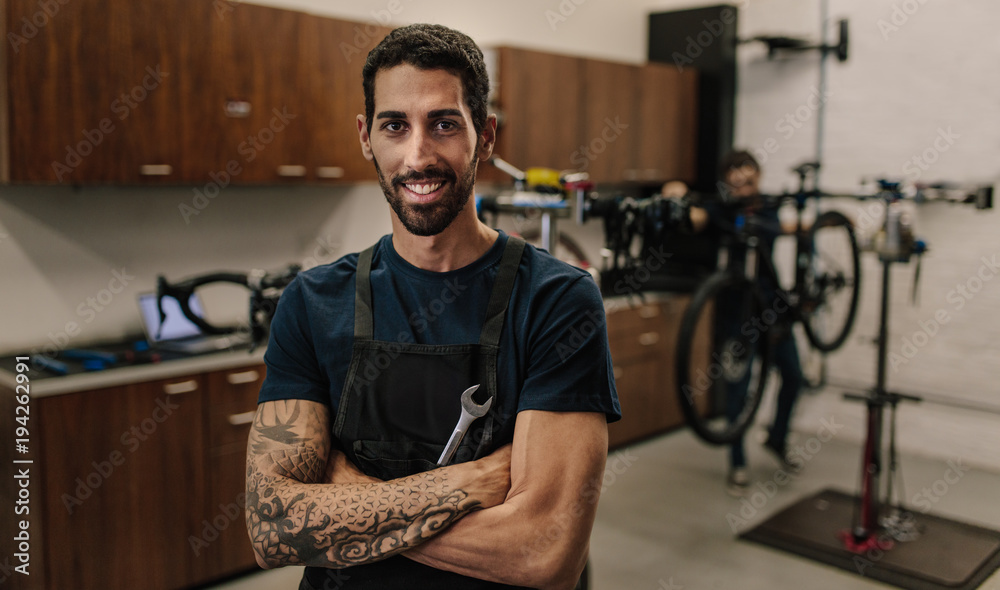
(824, 333)
(693, 385)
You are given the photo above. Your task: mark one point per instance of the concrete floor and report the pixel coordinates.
(666, 522)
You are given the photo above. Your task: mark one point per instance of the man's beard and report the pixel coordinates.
(429, 219)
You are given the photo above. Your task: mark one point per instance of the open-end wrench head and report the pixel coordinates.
(471, 407)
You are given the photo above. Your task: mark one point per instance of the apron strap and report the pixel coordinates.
(496, 310)
(364, 328)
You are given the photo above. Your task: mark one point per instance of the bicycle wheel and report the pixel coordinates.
(722, 358)
(829, 295)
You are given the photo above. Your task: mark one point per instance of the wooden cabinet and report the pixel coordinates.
(643, 342)
(172, 91)
(231, 407)
(337, 55)
(619, 122)
(665, 150)
(141, 485)
(121, 471)
(540, 103)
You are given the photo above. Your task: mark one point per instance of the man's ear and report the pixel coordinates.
(365, 138)
(488, 138)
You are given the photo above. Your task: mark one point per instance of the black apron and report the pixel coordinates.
(398, 408)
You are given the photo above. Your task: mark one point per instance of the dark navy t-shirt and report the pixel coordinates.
(553, 349)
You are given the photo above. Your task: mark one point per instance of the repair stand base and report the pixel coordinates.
(947, 555)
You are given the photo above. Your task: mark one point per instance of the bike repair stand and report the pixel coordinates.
(867, 532)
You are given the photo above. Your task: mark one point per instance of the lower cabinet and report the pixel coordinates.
(141, 485)
(643, 341)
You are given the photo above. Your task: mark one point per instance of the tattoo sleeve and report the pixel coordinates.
(294, 518)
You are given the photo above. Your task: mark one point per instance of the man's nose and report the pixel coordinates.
(420, 150)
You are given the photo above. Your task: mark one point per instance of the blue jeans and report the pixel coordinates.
(785, 357)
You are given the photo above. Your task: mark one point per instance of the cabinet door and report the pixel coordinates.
(62, 127)
(337, 53)
(261, 94)
(611, 126)
(666, 141)
(163, 63)
(123, 480)
(539, 97)
(232, 404)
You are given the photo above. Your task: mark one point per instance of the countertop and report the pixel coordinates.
(46, 385)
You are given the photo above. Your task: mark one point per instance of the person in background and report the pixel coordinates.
(740, 177)
(368, 357)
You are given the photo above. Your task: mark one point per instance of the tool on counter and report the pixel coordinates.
(470, 412)
(50, 364)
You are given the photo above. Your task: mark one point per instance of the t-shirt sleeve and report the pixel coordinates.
(569, 366)
(292, 368)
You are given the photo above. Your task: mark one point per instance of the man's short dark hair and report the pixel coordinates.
(735, 160)
(430, 47)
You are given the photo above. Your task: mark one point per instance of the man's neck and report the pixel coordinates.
(461, 244)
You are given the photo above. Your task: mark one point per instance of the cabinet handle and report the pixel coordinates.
(649, 338)
(241, 378)
(241, 419)
(181, 387)
(291, 171)
(617, 372)
(649, 311)
(329, 172)
(156, 170)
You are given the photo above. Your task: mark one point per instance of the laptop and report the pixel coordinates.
(179, 334)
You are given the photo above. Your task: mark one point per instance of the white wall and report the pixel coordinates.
(886, 105)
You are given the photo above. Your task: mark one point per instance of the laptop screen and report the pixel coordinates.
(176, 325)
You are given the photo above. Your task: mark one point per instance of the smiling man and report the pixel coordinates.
(369, 356)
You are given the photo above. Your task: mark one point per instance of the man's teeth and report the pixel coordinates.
(424, 189)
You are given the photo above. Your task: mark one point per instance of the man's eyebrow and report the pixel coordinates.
(444, 113)
(391, 115)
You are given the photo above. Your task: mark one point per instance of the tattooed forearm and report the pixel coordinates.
(294, 518)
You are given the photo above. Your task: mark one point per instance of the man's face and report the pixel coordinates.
(424, 146)
(743, 182)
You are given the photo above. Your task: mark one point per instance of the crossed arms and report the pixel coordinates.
(522, 515)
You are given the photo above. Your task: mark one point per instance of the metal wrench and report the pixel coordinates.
(470, 411)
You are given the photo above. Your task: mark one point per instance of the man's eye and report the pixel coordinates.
(393, 126)
(447, 125)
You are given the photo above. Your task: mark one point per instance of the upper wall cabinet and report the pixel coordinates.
(616, 121)
(174, 91)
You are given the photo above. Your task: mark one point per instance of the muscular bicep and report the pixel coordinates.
(558, 456)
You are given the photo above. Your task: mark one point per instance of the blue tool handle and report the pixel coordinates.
(89, 355)
(49, 364)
